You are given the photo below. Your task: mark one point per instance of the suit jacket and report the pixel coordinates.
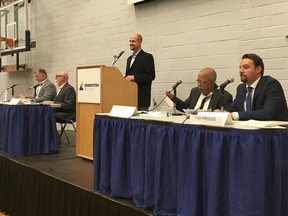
(268, 103)
(143, 69)
(47, 92)
(67, 98)
(215, 101)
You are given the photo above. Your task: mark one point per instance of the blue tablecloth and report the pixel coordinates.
(27, 130)
(189, 170)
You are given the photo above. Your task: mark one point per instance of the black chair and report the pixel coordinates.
(63, 123)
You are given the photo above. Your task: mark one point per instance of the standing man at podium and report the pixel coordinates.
(140, 69)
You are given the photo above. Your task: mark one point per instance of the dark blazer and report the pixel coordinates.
(143, 69)
(215, 101)
(269, 101)
(67, 99)
(47, 92)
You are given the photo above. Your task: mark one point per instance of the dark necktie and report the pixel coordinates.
(203, 102)
(249, 99)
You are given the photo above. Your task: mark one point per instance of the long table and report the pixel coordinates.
(27, 130)
(190, 170)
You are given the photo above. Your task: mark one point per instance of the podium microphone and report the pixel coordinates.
(120, 54)
(116, 58)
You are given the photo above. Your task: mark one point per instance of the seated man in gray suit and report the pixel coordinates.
(46, 90)
(66, 98)
(205, 96)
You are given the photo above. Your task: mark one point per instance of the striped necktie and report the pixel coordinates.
(203, 102)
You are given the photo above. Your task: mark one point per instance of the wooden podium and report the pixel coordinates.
(98, 89)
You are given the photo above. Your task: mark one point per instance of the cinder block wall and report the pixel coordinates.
(183, 36)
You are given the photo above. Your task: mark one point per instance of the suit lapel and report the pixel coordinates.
(242, 96)
(214, 99)
(61, 92)
(129, 62)
(137, 59)
(41, 91)
(258, 88)
(195, 99)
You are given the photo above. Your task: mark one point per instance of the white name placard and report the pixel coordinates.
(16, 101)
(123, 111)
(212, 118)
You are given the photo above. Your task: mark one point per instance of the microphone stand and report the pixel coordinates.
(12, 91)
(174, 103)
(222, 99)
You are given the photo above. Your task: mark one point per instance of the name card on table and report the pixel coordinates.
(123, 111)
(16, 101)
(212, 118)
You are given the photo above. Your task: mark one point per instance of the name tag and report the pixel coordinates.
(16, 101)
(123, 111)
(212, 118)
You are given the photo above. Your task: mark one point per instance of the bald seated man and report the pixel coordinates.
(206, 96)
(66, 97)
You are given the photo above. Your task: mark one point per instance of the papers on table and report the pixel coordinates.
(260, 124)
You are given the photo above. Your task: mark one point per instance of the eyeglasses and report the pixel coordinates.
(58, 76)
(202, 82)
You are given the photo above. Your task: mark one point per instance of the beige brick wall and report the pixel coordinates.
(183, 36)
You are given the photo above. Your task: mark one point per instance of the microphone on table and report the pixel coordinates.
(116, 58)
(34, 86)
(12, 86)
(224, 84)
(174, 89)
(176, 85)
(221, 87)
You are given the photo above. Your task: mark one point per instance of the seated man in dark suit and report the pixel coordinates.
(204, 97)
(258, 97)
(66, 98)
